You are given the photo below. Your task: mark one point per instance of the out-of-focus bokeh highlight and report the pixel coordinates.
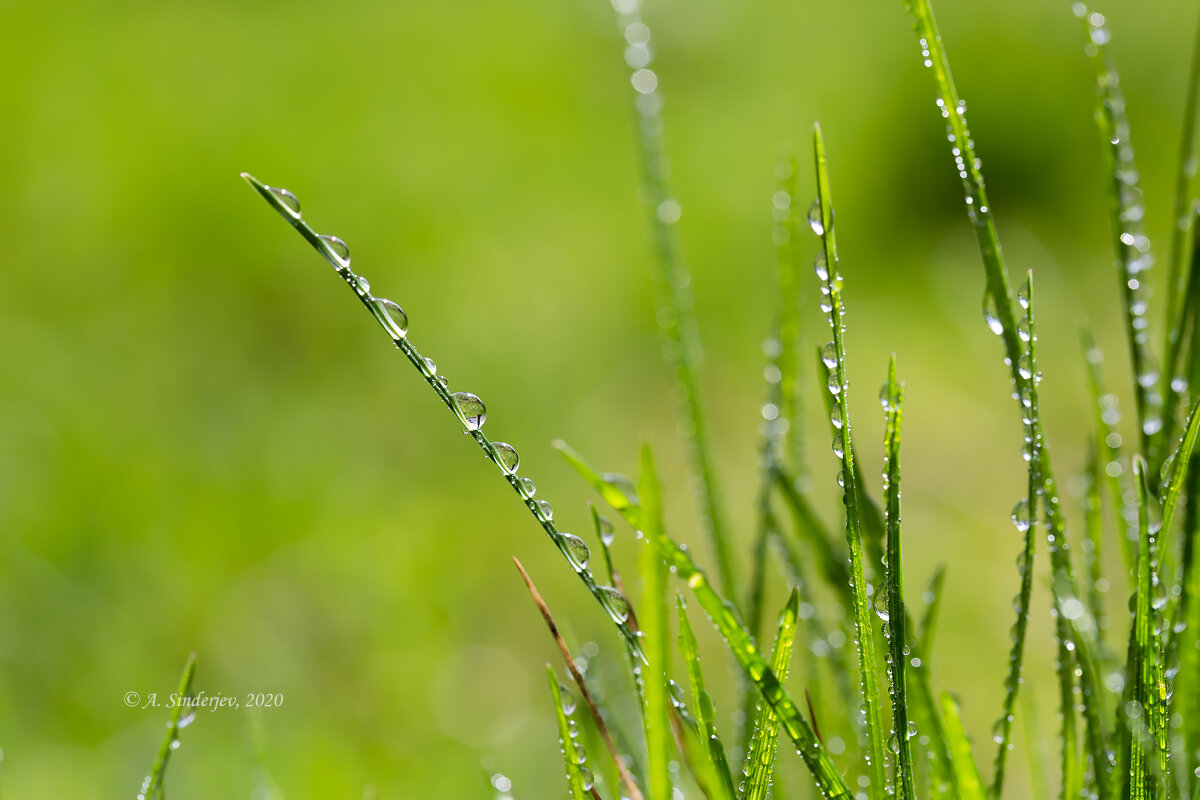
(205, 444)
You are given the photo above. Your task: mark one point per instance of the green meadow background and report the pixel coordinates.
(205, 444)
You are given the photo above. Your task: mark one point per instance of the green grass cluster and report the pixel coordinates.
(1130, 727)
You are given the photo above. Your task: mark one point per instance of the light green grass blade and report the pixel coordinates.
(895, 627)
(1107, 418)
(152, 785)
(1175, 468)
(831, 560)
(834, 356)
(739, 641)
(467, 408)
(673, 295)
(760, 758)
(933, 595)
(579, 780)
(966, 771)
(1093, 552)
(655, 630)
(1130, 244)
(705, 710)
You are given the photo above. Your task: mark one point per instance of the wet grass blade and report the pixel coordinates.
(834, 357)
(152, 785)
(900, 744)
(1093, 553)
(673, 295)
(739, 641)
(578, 780)
(929, 619)
(1108, 449)
(760, 758)
(1184, 219)
(966, 771)
(830, 560)
(466, 407)
(705, 710)
(1130, 244)
(627, 781)
(655, 629)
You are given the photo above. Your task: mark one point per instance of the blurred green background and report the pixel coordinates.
(205, 444)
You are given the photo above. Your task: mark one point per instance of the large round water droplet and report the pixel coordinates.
(614, 602)
(577, 551)
(428, 367)
(471, 408)
(527, 488)
(839, 447)
(338, 249)
(990, 314)
(544, 511)
(1020, 515)
(833, 384)
(815, 219)
(829, 355)
(507, 455)
(395, 321)
(285, 202)
(835, 415)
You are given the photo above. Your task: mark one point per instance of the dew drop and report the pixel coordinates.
(286, 202)
(507, 455)
(821, 266)
(429, 367)
(577, 551)
(829, 355)
(607, 532)
(471, 408)
(834, 385)
(614, 602)
(815, 218)
(894, 743)
(544, 511)
(838, 445)
(912, 729)
(835, 415)
(1023, 295)
(338, 249)
(1020, 515)
(527, 488)
(990, 314)
(395, 320)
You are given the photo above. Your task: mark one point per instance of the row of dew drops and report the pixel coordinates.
(830, 300)
(467, 406)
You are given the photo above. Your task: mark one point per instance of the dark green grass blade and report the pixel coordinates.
(705, 710)
(895, 628)
(760, 758)
(1093, 551)
(821, 220)
(655, 630)
(152, 785)
(1182, 207)
(578, 781)
(1107, 417)
(1130, 244)
(388, 315)
(966, 771)
(673, 298)
(737, 638)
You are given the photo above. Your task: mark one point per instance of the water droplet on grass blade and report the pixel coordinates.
(338, 249)
(1020, 515)
(821, 266)
(829, 355)
(507, 454)
(577, 551)
(614, 602)
(815, 219)
(528, 489)
(991, 315)
(429, 367)
(471, 408)
(286, 202)
(395, 320)
(544, 511)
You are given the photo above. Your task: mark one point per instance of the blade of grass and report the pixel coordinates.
(655, 631)
(895, 627)
(673, 295)
(152, 785)
(739, 641)
(705, 710)
(631, 788)
(1130, 244)
(760, 758)
(834, 356)
(466, 407)
(966, 771)
(1093, 551)
(831, 562)
(578, 779)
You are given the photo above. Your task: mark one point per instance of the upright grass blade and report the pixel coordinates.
(904, 785)
(579, 781)
(1093, 552)
(705, 710)
(653, 619)
(739, 641)
(1182, 207)
(631, 788)
(831, 562)
(1108, 449)
(760, 758)
(1025, 518)
(1130, 243)
(834, 357)
(152, 785)
(966, 771)
(468, 408)
(673, 295)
